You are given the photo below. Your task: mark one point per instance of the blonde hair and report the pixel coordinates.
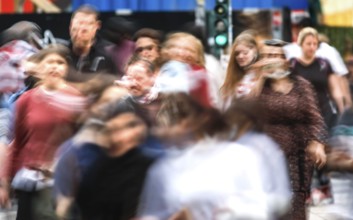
(197, 45)
(234, 72)
(306, 32)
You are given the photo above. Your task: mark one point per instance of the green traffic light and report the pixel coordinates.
(221, 23)
(221, 40)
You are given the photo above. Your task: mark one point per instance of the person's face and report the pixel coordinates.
(147, 48)
(83, 28)
(309, 46)
(126, 131)
(244, 55)
(54, 67)
(183, 50)
(275, 70)
(141, 79)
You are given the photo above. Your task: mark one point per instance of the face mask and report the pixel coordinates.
(278, 75)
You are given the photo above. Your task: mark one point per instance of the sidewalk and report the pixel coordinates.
(7, 215)
(325, 212)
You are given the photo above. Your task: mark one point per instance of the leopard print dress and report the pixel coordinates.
(292, 120)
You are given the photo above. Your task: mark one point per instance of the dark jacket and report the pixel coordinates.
(96, 61)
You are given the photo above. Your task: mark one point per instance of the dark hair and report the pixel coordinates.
(86, 9)
(137, 59)
(91, 84)
(59, 49)
(125, 105)
(155, 35)
(275, 42)
(179, 106)
(115, 29)
(306, 22)
(245, 115)
(98, 103)
(22, 30)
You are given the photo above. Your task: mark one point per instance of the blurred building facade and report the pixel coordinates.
(29, 6)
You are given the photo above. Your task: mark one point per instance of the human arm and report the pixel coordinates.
(317, 133)
(5, 127)
(4, 194)
(336, 89)
(12, 151)
(5, 124)
(346, 92)
(339, 160)
(5, 116)
(66, 180)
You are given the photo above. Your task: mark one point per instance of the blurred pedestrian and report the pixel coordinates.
(118, 31)
(88, 56)
(184, 67)
(247, 129)
(78, 154)
(324, 51)
(240, 81)
(293, 120)
(319, 73)
(148, 43)
(202, 175)
(44, 119)
(214, 70)
(112, 186)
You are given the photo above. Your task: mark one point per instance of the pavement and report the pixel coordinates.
(326, 212)
(7, 215)
(323, 212)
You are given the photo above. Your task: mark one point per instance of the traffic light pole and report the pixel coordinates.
(230, 26)
(200, 13)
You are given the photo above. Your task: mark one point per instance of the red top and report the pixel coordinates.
(200, 86)
(42, 123)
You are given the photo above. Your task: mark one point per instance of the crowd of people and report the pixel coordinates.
(138, 126)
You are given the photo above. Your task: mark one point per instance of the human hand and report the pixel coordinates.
(316, 152)
(4, 198)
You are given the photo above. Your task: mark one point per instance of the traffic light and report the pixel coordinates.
(221, 23)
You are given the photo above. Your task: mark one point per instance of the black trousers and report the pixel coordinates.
(37, 205)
